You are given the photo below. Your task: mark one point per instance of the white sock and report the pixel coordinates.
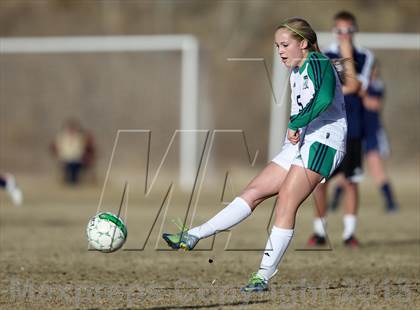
(320, 224)
(349, 221)
(234, 213)
(275, 248)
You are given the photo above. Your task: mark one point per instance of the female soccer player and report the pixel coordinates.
(314, 147)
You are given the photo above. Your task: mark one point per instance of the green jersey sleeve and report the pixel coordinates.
(321, 73)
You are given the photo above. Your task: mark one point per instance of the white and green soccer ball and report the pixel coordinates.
(106, 232)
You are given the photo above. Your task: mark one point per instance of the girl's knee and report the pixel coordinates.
(285, 195)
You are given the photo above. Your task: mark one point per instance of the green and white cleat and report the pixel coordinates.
(182, 240)
(256, 283)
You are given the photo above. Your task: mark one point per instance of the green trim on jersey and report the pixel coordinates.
(321, 158)
(321, 73)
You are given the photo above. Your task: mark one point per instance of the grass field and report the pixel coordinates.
(45, 263)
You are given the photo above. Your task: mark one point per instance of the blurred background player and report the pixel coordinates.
(8, 182)
(359, 63)
(375, 142)
(75, 150)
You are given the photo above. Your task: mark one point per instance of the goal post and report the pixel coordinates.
(186, 44)
(279, 109)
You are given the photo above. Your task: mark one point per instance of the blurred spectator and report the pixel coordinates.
(75, 149)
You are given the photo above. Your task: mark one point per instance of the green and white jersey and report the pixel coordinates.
(318, 103)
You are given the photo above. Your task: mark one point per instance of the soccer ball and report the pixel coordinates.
(106, 232)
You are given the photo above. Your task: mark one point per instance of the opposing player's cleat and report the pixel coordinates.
(182, 240)
(13, 190)
(316, 240)
(351, 242)
(256, 283)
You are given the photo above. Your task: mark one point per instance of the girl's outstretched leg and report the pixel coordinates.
(263, 186)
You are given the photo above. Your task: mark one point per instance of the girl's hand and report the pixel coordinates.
(293, 136)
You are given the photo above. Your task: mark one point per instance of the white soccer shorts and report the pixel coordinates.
(311, 155)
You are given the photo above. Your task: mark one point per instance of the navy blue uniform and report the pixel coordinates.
(374, 135)
(352, 163)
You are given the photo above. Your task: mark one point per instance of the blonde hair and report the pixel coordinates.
(301, 30)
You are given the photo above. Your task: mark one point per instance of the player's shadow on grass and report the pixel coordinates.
(244, 303)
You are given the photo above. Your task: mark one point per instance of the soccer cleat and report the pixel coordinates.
(256, 283)
(182, 240)
(316, 240)
(351, 242)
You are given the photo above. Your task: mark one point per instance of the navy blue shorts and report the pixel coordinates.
(351, 166)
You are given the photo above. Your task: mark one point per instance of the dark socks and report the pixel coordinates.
(336, 198)
(2, 182)
(389, 197)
